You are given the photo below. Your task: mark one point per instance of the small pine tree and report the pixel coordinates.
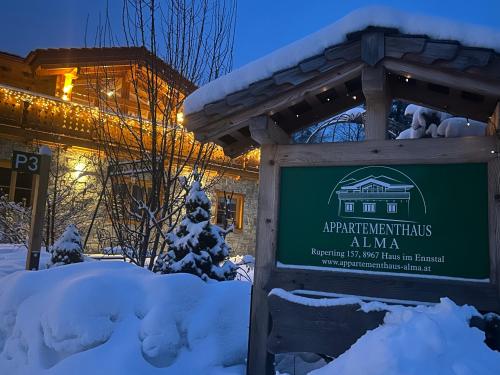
(197, 246)
(68, 248)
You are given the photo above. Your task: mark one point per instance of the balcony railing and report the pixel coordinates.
(50, 118)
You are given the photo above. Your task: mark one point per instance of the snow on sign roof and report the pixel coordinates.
(316, 43)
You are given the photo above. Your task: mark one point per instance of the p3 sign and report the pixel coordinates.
(26, 162)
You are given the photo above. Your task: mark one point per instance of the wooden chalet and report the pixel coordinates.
(55, 97)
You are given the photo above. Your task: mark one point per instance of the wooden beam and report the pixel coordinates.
(208, 129)
(461, 81)
(265, 132)
(260, 362)
(378, 102)
(452, 103)
(494, 122)
(484, 296)
(416, 151)
(372, 47)
(329, 330)
(494, 218)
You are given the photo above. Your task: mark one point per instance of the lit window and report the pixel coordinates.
(368, 207)
(229, 209)
(392, 208)
(349, 206)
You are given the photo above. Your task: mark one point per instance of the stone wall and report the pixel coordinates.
(241, 240)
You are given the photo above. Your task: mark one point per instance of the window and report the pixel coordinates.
(368, 207)
(23, 182)
(392, 208)
(229, 209)
(127, 198)
(349, 207)
(4, 180)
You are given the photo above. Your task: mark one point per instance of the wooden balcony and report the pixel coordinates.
(28, 116)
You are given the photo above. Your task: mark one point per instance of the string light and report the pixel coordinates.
(82, 118)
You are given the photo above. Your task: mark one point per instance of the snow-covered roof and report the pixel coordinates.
(384, 181)
(336, 33)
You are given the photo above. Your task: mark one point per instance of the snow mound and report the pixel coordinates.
(431, 340)
(13, 258)
(116, 318)
(314, 44)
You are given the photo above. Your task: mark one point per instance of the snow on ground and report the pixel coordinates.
(316, 43)
(116, 318)
(431, 340)
(13, 258)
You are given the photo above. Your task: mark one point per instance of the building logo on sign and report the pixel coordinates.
(377, 193)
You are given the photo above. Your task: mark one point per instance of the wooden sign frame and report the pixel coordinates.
(484, 296)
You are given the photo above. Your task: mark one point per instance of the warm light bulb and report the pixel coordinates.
(180, 118)
(65, 97)
(110, 93)
(67, 88)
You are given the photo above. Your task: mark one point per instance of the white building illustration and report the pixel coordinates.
(372, 196)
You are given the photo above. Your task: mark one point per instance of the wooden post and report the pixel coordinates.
(264, 131)
(40, 186)
(378, 102)
(12, 186)
(494, 122)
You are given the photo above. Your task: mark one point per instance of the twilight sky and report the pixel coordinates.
(262, 25)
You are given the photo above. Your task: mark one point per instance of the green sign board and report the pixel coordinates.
(425, 220)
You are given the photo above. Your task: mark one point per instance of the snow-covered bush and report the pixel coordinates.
(197, 246)
(68, 248)
(245, 267)
(14, 221)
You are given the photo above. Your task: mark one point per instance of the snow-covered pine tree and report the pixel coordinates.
(197, 246)
(68, 248)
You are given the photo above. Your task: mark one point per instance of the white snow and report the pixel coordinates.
(13, 258)
(117, 318)
(430, 340)
(444, 125)
(45, 150)
(433, 340)
(461, 127)
(316, 43)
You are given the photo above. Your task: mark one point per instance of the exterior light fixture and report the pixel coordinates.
(78, 170)
(180, 117)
